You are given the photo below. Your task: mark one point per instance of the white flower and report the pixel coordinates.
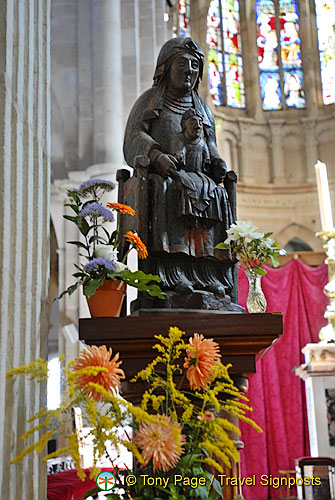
(242, 229)
(106, 251)
(268, 243)
(253, 236)
(120, 267)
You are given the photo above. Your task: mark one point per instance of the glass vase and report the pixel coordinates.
(256, 301)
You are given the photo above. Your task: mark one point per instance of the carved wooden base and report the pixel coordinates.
(198, 299)
(241, 336)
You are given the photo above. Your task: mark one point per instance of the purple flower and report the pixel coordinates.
(95, 210)
(95, 265)
(92, 185)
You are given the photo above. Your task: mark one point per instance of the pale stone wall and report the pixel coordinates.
(24, 230)
(103, 56)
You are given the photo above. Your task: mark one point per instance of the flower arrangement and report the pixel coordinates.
(101, 245)
(179, 430)
(252, 247)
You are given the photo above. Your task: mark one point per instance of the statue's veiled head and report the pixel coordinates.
(182, 59)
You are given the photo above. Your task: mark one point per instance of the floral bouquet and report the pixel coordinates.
(181, 434)
(100, 245)
(252, 247)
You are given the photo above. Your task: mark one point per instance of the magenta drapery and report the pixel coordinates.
(276, 394)
(68, 486)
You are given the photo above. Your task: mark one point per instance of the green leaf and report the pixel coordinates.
(72, 218)
(75, 208)
(222, 246)
(84, 227)
(114, 236)
(215, 483)
(74, 196)
(71, 289)
(141, 276)
(92, 285)
(274, 260)
(96, 238)
(106, 232)
(78, 244)
(260, 271)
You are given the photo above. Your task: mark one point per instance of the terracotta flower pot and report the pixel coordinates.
(107, 300)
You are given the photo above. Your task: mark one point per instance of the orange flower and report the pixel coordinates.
(98, 357)
(207, 416)
(161, 443)
(123, 209)
(138, 243)
(201, 358)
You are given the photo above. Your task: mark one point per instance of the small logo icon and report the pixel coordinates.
(105, 481)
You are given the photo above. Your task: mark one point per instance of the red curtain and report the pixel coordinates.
(276, 394)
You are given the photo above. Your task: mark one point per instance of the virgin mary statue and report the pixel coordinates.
(188, 204)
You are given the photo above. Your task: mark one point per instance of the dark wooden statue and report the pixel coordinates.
(183, 195)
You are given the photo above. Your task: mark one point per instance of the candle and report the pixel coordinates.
(324, 197)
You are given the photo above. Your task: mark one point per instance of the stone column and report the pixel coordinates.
(24, 230)
(246, 174)
(147, 42)
(278, 167)
(250, 62)
(107, 84)
(311, 148)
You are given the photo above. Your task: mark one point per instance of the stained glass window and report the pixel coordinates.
(281, 76)
(225, 67)
(325, 22)
(184, 8)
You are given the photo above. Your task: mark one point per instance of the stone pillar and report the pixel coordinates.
(148, 42)
(24, 230)
(107, 84)
(311, 148)
(278, 167)
(130, 55)
(246, 174)
(318, 374)
(250, 62)
(310, 56)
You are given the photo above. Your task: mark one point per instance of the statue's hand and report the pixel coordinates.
(218, 170)
(166, 165)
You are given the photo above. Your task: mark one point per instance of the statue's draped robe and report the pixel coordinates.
(188, 214)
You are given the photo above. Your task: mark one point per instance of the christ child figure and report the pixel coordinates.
(190, 148)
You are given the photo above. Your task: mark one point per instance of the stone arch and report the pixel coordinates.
(228, 146)
(297, 245)
(260, 158)
(298, 231)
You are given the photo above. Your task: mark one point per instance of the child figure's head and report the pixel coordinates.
(191, 124)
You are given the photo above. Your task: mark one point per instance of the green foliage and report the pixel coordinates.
(94, 233)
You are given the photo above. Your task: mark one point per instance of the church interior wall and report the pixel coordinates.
(273, 151)
(102, 58)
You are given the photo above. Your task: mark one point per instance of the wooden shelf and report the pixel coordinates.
(241, 337)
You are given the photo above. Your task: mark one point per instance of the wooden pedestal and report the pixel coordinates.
(242, 338)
